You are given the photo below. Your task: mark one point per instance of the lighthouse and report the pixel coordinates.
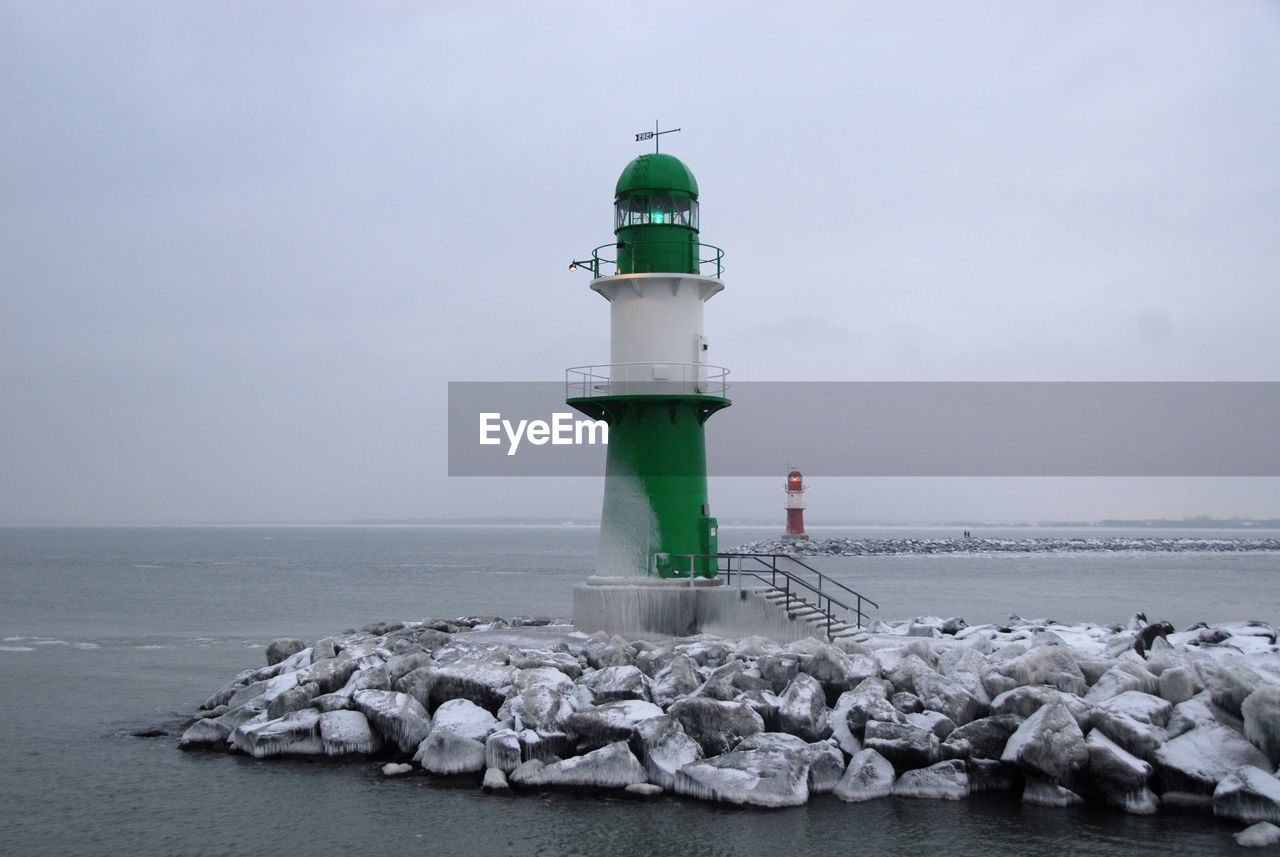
(658, 389)
(795, 505)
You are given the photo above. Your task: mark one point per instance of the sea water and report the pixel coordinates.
(104, 632)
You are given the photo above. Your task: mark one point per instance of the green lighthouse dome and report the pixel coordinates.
(657, 173)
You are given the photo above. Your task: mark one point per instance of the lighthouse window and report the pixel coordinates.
(641, 210)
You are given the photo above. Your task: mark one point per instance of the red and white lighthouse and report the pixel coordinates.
(795, 506)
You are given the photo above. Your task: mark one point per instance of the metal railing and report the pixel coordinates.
(631, 379)
(764, 568)
(716, 257)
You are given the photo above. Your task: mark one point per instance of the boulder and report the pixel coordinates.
(1259, 835)
(396, 769)
(716, 726)
(1119, 775)
(803, 709)
(297, 733)
(294, 699)
(1231, 684)
(904, 745)
(942, 781)
(495, 781)
(484, 682)
(981, 739)
(1200, 710)
(545, 698)
(1049, 743)
(561, 661)
(868, 776)
(933, 721)
(1026, 701)
(903, 673)
(766, 777)
(1179, 684)
(397, 717)
(370, 678)
(278, 650)
(1134, 720)
(869, 701)
(207, 733)
(675, 681)
(991, 775)
(502, 751)
(463, 717)
(401, 665)
(836, 670)
(664, 748)
(907, 703)
(1248, 794)
(1055, 666)
(826, 766)
(337, 701)
(614, 721)
(450, 753)
(1261, 713)
(610, 767)
(778, 669)
(1198, 760)
(347, 732)
(1125, 675)
(611, 684)
(332, 673)
(1042, 792)
(721, 683)
(947, 695)
(838, 720)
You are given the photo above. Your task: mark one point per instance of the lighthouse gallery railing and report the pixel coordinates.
(716, 256)
(635, 379)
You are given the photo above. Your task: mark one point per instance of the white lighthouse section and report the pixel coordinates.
(656, 337)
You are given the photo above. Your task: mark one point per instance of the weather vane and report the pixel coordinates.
(654, 135)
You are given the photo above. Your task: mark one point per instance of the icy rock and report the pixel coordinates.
(991, 775)
(206, 733)
(294, 699)
(1248, 794)
(449, 753)
(323, 649)
(336, 701)
(720, 684)
(221, 697)
(675, 681)
(611, 722)
(716, 726)
(297, 733)
(981, 739)
(643, 790)
(263, 691)
(401, 665)
(484, 682)
(611, 684)
(763, 702)
(707, 653)
(561, 661)
(755, 647)
(544, 700)
(1054, 666)
(868, 776)
(463, 717)
(1134, 720)
(495, 781)
(278, 650)
(943, 781)
(615, 652)
(664, 748)
(803, 709)
(396, 769)
(907, 703)
(1179, 684)
(1232, 684)
(502, 751)
(332, 673)
(946, 695)
(765, 777)
(904, 673)
(917, 630)
(837, 671)
(826, 766)
(398, 718)
(1124, 676)
(869, 701)
(1259, 835)
(933, 721)
(838, 720)
(1046, 793)
(1261, 713)
(779, 669)
(1198, 760)
(904, 745)
(1048, 743)
(371, 678)
(1198, 711)
(1113, 768)
(1026, 701)
(610, 767)
(343, 732)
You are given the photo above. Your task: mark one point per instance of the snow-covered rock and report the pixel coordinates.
(803, 709)
(1261, 713)
(904, 745)
(278, 650)
(502, 751)
(1119, 775)
(869, 701)
(836, 670)
(1198, 760)
(1178, 684)
(397, 717)
(868, 776)
(1026, 701)
(1125, 675)
(1248, 794)
(716, 726)
(1048, 743)
(942, 781)
(664, 748)
(297, 733)
(610, 767)
(838, 720)
(779, 669)
(343, 732)
(1048, 793)
(907, 703)
(484, 682)
(1055, 666)
(675, 681)
(495, 781)
(1134, 720)
(981, 739)
(332, 673)
(1259, 835)
(614, 721)
(1200, 710)
(449, 753)
(205, 734)
(611, 684)
(766, 777)
(933, 721)
(948, 696)
(464, 718)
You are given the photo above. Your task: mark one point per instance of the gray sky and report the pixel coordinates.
(244, 247)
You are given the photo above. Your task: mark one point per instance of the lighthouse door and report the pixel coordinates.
(700, 361)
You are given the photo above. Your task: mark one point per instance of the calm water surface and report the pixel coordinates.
(109, 630)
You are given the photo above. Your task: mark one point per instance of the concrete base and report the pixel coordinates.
(652, 607)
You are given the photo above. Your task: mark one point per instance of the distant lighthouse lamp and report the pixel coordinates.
(658, 390)
(795, 506)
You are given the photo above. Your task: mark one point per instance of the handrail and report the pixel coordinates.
(621, 379)
(769, 564)
(593, 264)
